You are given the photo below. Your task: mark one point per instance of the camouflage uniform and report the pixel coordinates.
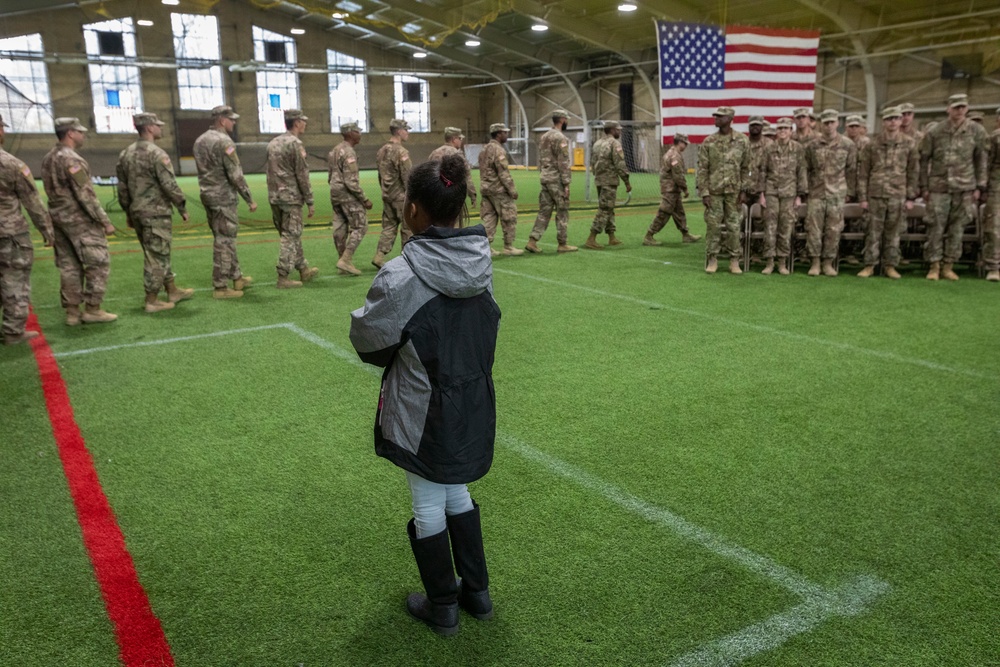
(831, 166)
(991, 221)
(79, 223)
(673, 190)
(953, 163)
(555, 175)
(17, 189)
(607, 161)
(757, 149)
(887, 177)
(499, 192)
(804, 138)
(723, 173)
(394, 167)
(782, 179)
(146, 190)
(288, 189)
(220, 179)
(350, 221)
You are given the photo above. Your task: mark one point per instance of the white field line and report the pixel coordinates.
(791, 335)
(168, 341)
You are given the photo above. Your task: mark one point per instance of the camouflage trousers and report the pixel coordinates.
(225, 224)
(350, 223)
(947, 215)
(723, 210)
(885, 222)
(16, 258)
(991, 232)
(392, 219)
(287, 219)
(155, 236)
(84, 263)
(824, 224)
(552, 197)
(502, 207)
(604, 221)
(779, 221)
(671, 204)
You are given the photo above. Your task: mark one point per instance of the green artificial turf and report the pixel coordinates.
(837, 427)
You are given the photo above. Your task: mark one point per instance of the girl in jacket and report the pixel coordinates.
(431, 321)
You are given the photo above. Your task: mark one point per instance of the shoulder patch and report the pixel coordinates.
(166, 161)
(564, 144)
(75, 168)
(230, 150)
(620, 150)
(26, 171)
(302, 152)
(351, 160)
(673, 163)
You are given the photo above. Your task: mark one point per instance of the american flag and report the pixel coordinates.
(757, 71)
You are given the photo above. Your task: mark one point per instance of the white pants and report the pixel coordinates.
(433, 501)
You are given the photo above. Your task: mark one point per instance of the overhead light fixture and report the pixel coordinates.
(339, 15)
(628, 7)
(539, 27)
(472, 42)
(144, 22)
(420, 54)
(171, 2)
(297, 31)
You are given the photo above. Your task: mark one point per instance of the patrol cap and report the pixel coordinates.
(498, 127)
(225, 111)
(144, 119)
(347, 128)
(756, 120)
(612, 124)
(802, 111)
(892, 112)
(681, 137)
(295, 114)
(828, 115)
(560, 113)
(906, 107)
(67, 123)
(398, 124)
(452, 132)
(3, 124)
(769, 131)
(854, 120)
(786, 123)
(976, 116)
(960, 100)
(724, 111)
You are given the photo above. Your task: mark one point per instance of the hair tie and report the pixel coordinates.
(444, 179)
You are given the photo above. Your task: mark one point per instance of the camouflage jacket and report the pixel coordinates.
(913, 133)
(17, 189)
(494, 173)
(889, 168)
(783, 170)
(607, 161)
(553, 159)
(953, 159)
(439, 152)
(993, 161)
(832, 167)
(342, 174)
(805, 137)
(756, 161)
(723, 164)
(288, 172)
(220, 176)
(394, 167)
(146, 183)
(72, 200)
(673, 173)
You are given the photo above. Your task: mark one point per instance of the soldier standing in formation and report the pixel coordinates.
(555, 176)
(454, 141)
(393, 162)
(804, 132)
(607, 161)
(952, 180)
(350, 222)
(80, 226)
(831, 165)
(991, 221)
(723, 171)
(499, 191)
(17, 189)
(758, 142)
(220, 180)
(907, 126)
(887, 186)
(673, 191)
(858, 133)
(288, 188)
(783, 183)
(147, 192)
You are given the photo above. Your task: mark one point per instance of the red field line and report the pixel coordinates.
(140, 637)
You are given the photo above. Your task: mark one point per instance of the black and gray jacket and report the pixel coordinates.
(430, 320)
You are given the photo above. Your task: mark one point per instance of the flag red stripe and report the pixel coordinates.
(770, 50)
(708, 121)
(772, 85)
(712, 104)
(141, 641)
(771, 32)
(762, 67)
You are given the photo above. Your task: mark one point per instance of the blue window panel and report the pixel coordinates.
(114, 100)
(275, 101)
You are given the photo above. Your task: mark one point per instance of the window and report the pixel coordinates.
(25, 102)
(413, 102)
(198, 53)
(348, 91)
(277, 82)
(114, 82)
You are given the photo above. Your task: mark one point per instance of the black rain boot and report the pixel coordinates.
(439, 608)
(470, 563)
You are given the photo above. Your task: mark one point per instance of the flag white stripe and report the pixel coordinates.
(770, 41)
(736, 93)
(770, 59)
(783, 77)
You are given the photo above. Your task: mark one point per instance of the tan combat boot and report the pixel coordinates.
(175, 293)
(153, 305)
(814, 269)
(649, 240)
(769, 267)
(592, 242)
(713, 264)
(284, 282)
(783, 266)
(947, 273)
(828, 269)
(935, 271)
(532, 247)
(891, 272)
(16, 339)
(226, 293)
(566, 248)
(690, 238)
(242, 283)
(72, 316)
(309, 273)
(94, 315)
(511, 251)
(993, 276)
(494, 253)
(345, 264)
(866, 272)
(379, 260)
(613, 240)
(734, 266)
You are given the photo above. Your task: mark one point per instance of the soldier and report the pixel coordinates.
(350, 222)
(783, 184)
(804, 132)
(857, 132)
(991, 221)
(907, 126)
(758, 142)
(977, 117)
(220, 180)
(887, 185)
(147, 190)
(953, 173)
(394, 166)
(17, 189)
(722, 175)
(554, 174)
(607, 161)
(769, 131)
(80, 227)
(673, 192)
(499, 191)
(831, 167)
(454, 142)
(288, 188)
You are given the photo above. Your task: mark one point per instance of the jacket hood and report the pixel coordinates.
(454, 261)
